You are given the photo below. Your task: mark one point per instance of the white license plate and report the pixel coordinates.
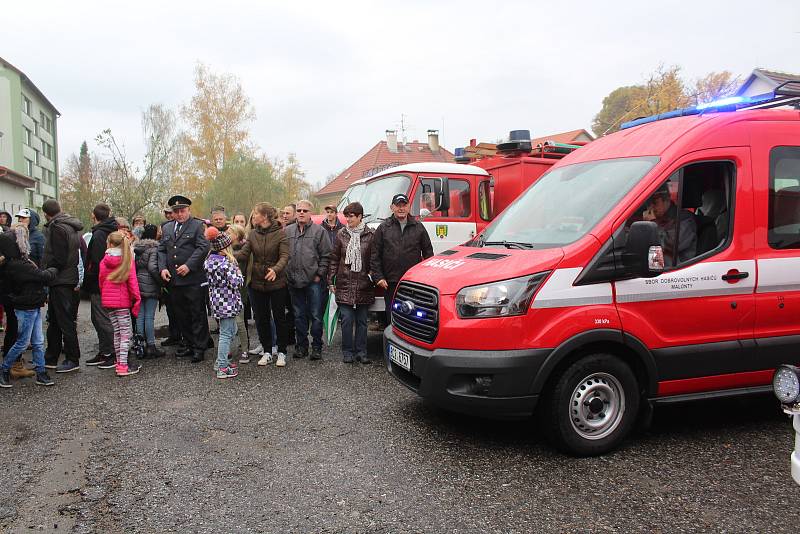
(400, 357)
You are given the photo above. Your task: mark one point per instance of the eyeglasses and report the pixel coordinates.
(301, 211)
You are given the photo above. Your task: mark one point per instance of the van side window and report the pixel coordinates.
(485, 200)
(692, 210)
(784, 197)
(424, 201)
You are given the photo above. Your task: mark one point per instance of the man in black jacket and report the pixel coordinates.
(104, 224)
(181, 253)
(61, 249)
(400, 242)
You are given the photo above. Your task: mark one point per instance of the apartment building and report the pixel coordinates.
(28, 142)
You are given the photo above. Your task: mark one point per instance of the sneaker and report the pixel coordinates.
(5, 379)
(316, 353)
(233, 363)
(300, 352)
(227, 372)
(244, 358)
(109, 362)
(134, 367)
(50, 366)
(122, 369)
(256, 351)
(68, 366)
(281, 360)
(97, 360)
(43, 379)
(266, 359)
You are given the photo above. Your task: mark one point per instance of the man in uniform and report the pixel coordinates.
(174, 337)
(181, 253)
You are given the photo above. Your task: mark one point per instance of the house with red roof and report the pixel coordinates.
(385, 154)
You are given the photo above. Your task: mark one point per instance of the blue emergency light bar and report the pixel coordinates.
(732, 103)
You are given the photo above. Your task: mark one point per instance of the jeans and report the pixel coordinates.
(263, 302)
(29, 329)
(63, 325)
(145, 323)
(306, 302)
(227, 331)
(102, 325)
(354, 316)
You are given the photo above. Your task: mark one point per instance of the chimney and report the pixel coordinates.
(391, 140)
(433, 140)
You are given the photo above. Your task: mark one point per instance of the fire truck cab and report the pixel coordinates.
(658, 264)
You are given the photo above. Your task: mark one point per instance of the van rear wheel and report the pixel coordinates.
(592, 406)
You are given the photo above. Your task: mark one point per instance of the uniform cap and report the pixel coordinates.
(179, 201)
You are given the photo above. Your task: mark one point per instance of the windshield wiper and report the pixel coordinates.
(511, 244)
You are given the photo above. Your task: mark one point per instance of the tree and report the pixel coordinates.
(663, 91)
(218, 116)
(83, 184)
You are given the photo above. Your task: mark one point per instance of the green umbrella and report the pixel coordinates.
(331, 318)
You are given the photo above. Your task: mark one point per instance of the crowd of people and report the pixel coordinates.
(278, 268)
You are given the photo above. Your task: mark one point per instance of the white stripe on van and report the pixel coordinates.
(558, 291)
(778, 274)
(698, 280)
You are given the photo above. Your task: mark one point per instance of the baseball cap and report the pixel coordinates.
(24, 212)
(330, 207)
(399, 198)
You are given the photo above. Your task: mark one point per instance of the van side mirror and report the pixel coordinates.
(643, 256)
(441, 188)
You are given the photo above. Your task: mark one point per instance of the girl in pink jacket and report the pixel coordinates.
(119, 294)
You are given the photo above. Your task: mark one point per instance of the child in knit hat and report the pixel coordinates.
(224, 281)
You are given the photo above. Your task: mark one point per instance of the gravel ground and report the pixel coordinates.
(327, 447)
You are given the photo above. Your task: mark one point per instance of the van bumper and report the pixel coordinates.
(486, 383)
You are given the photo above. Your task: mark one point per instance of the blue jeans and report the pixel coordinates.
(307, 305)
(29, 329)
(227, 331)
(354, 317)
(146, 318)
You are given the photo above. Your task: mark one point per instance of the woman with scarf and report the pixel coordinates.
(348, 278)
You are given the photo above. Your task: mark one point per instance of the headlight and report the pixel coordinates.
(786, 384)
(498, 299)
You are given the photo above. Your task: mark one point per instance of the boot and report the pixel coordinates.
(18, 371)
(151, 351)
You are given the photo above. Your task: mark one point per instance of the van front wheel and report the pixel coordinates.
(592, 406)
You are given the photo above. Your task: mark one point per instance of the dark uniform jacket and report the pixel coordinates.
(266, 248)
(351, 288)
(61, 248)
(395, 251)
(189, 247)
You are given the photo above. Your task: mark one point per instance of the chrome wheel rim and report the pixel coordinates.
(597, 406)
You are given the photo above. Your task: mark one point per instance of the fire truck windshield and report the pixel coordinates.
(353, 194)
(566, 203)
(377, 196)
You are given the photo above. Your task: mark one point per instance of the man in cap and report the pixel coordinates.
(30, 218)
(400, 242)
(672, 224)
(181, 253)
(331, 223)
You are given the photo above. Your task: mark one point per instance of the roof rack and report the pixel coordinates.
(780, 96)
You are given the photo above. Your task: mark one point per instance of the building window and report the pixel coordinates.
(26, 105)
(36, 157)
(36, 128)
(46, 122)
(27, 136)
(28, 167)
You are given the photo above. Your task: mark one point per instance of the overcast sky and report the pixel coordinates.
(328, 78)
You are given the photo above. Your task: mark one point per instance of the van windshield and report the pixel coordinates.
(565, 204)
(377, 196)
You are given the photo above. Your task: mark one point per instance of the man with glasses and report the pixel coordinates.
(309, 253)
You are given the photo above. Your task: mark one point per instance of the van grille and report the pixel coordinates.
(415, 311)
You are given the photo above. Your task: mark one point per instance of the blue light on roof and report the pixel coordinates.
(732, 103)
(723, 102)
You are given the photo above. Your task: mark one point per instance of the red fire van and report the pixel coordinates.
(657, 264)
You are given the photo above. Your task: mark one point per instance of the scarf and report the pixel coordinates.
(352, 256)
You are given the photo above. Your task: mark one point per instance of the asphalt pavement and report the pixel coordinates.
(330, 447)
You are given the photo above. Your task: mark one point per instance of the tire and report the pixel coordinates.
(592, 406)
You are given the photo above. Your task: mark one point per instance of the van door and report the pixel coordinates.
(697, 316)
(453, 226)
(776, 158)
